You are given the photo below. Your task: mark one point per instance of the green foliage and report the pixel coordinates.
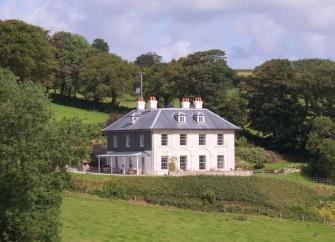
(106, 75)
(253, 154)
(321, 145)
(70, 49)
(274, 105)
(26, 50)
(204, 192)
(147, 60)
(259, 165)
(100, 45)
(326, 211)
(33, 153)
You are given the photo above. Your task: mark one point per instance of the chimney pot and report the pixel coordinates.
(185, 102)
(140, 103)
(197, 102)
(152, 102)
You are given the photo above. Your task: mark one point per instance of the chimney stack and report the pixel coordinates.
(197, 102)
(140, 103)
(152, 102)
(185, 102)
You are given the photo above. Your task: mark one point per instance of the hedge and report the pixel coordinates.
(210, 193)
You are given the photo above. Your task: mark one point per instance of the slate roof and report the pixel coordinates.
(164, 118)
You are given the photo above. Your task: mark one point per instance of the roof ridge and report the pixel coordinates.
(156, 118)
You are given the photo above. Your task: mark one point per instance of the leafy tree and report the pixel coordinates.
(100, 45)
(26, 50)
(274, 105)
(321, 146)
(106, 75)
(147, 60)
(33, 153)
(70, 51)
(202, 73)
(315, 80)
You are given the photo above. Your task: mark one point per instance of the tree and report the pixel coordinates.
(70, 51)
(274, 105)
(106, 75)
(147, 60)
(33, 153)
(26, 50)
(321, 147)
(315, 80)
(100, 45)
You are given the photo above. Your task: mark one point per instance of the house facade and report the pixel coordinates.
(146, 140)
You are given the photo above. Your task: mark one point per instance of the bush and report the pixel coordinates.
(259, 165)
(209, 193)
(253, 154)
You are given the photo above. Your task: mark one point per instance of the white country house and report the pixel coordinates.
(145, 140)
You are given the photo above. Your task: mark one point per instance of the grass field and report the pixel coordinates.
(62, 111)
(89, 218)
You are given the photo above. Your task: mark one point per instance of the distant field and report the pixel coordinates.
(89, 218)
(244, 72)
(62, 111)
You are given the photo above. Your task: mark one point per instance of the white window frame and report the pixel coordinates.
(164, 162)
(202, 162)
(164, 140)
(183, 159)
(220, 139)
(115, 141)
(220, 161)
(127, 140)
(183, 139)
(141, 140)
(200, 119)
(202, 139)
(181, 118)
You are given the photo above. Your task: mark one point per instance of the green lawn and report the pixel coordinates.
(62, 111)
(89, 218)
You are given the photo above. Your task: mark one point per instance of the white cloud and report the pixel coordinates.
(251, 31)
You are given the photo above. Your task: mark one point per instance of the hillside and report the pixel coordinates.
(90, 218)
(62, 111)
(253, 195)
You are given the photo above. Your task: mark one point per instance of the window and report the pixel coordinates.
(202, 162)
(202, 139)
(220, 160)
(164, 139)
(128, 140)
(199, 117)
(183, 162)
(115, 141)
(181, 117)
(183, 139)
(141, 140)
(164, 162)
(220, 139)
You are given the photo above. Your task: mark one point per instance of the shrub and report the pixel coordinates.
(259, 165)
(209, 193)
(253, 154)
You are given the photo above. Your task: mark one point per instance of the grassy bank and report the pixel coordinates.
(62, 111)
(265, 195)
(89, 218)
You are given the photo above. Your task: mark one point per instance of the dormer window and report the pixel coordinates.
(133, 117)
(181, 117)
(199, 117)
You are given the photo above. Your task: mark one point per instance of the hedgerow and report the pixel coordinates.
(211, 193)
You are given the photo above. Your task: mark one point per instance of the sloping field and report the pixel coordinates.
(90, 218)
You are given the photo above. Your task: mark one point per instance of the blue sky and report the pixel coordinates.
(250, 31)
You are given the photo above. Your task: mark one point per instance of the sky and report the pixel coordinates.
(250, 31)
